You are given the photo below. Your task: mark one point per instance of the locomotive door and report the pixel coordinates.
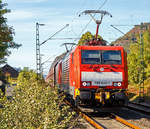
(72, 75)
(72, 71)
(60, 75)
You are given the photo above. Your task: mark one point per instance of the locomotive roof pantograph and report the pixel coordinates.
(92, 13)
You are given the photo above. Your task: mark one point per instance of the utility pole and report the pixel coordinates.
(38, 58)
(41, 65)
(38, 44)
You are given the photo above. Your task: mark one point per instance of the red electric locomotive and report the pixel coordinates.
(92, 73)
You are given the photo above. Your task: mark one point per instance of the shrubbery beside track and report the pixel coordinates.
(34, 105)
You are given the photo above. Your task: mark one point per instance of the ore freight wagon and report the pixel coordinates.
(95, 75)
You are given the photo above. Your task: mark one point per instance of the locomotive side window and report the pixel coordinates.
(111, 57)
(90, 57)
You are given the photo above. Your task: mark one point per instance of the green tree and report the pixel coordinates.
(135, 63)
(146, 40)
(87, 37)
(25, 75)
(6, 35)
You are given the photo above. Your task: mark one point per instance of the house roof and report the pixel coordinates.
(7, 69)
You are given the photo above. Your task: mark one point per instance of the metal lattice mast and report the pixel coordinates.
(37, 50)
(39, 68)
(38, 57)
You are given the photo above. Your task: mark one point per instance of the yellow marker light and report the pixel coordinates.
(97, 95)
(107, 95)
(77, 92)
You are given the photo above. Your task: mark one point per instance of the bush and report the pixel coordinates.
(35, 105)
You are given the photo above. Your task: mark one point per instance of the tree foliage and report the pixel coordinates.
(6, 34)
(25, 75)
(87, 37)
(135, 63)
(35, 105)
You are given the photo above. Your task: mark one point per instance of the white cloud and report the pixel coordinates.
(37, 13)
(29, 1)
(19, 15)
(22, 58)
(34, 1)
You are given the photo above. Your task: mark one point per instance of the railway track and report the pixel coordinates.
(96, 122)
(123, 121)
(112, 121)
(143, 108)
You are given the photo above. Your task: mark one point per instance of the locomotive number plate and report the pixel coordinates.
(102, 83)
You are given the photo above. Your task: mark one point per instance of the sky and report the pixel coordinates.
(55, 14)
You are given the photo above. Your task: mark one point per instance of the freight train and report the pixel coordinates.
(92, 74)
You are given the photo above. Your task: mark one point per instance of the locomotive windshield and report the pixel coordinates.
(101, 57)
(111, 57)
(91, 57)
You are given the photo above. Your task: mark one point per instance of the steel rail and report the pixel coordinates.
(140, 104)
(139, 107)
(91, 121)
(121, 120)
(97, 125)
(87, 118)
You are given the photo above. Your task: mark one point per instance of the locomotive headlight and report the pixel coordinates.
(119, 83)
(86, 83)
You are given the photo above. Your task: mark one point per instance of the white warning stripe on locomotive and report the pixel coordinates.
(102, 78)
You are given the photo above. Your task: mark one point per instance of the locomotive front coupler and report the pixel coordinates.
(101, 95)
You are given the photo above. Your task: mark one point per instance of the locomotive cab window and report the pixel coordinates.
(90, 57)
(111, 57)
(101, 57)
